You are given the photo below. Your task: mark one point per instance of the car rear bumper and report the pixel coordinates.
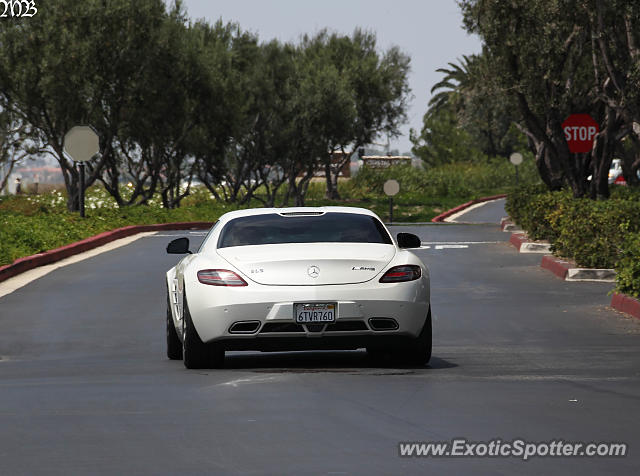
(215, 312)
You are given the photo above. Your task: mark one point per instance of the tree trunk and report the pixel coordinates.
(631, 161)
(549, 173)
(331, 193)
(603, 155)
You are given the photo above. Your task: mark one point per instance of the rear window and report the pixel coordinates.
(327, 228)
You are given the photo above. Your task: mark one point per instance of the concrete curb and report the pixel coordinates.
(564, 269)
(591, 274)
(523, 245)
(440, 218)
(517, 239)
(627, 304)
(508, 225)
(568, 271)
(51, 256)
(557, 266)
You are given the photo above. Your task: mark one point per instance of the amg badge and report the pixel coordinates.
(362, 268)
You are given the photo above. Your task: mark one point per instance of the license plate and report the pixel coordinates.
(316, 312)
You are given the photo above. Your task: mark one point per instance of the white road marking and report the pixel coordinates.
(442, 245)
(251, 380)
(11, 284)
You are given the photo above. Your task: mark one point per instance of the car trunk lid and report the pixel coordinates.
(309, 264)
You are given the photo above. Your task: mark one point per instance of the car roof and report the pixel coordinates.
(294, 211)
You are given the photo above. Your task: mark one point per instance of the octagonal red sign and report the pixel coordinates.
(580, 130)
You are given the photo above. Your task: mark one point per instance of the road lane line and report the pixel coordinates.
(17, 282)
(251, 380)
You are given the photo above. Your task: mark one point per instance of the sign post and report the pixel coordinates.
(391, 187)
(516, 159)
(81, 143)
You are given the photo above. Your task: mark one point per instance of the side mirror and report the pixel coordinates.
(408, 240)
(179, 246)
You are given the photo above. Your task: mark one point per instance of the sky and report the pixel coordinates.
(429, 31)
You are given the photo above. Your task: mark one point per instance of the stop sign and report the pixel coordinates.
(580, 130)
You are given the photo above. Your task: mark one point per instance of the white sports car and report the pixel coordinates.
(273, 279)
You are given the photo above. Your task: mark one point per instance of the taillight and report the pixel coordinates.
(220, 277)
(397, 274)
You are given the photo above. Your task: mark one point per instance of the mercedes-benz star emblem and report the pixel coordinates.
(313, 271)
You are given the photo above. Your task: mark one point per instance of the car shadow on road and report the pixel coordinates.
(325, 361)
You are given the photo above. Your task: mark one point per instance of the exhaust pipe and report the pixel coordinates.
(383, 324)
(244, 327)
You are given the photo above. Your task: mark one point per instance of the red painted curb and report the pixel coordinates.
(627, 304)
(556, 266)
(51, 256)
(517, 239)
(448, 213)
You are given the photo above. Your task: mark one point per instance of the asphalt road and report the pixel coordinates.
(85, 387)
(487, 212)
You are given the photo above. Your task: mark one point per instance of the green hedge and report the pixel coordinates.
(595, 234)
(628, 267)
(460, 179)
(530, 207)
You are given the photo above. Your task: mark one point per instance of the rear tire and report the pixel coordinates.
(418, 352)
(174, 346)
(197, 354)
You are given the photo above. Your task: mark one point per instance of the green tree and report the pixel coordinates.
(125, 50)
(557, 58)
(77, 62)
(478, 118)
(15, 144)
(186, 115)
(252, 107)
(366, 88)
(442, 140)
(616, 62)
(457, 81)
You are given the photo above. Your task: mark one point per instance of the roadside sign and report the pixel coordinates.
(391, 187)
(580, 131)
(516, 159)
(81, 143)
